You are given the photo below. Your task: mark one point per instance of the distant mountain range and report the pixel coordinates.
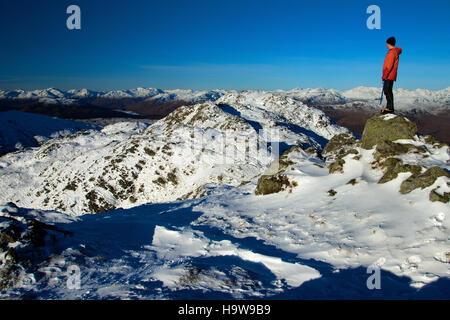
(53, 95)
(351, 108)
(422, 100)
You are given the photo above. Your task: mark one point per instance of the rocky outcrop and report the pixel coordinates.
(337, 149)
(339, 143)
(386, 128)
(423, 180)
(436, 195)
(394, 166)
(414, 156)
(268, 184)
(274, 178)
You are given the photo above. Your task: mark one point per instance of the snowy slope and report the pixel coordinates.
(299, 243)
(185, 155)
(274, 108)
(20, 130)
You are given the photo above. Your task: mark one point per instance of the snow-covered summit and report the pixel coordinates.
(317, 95)
(74, 95)
(181, 156)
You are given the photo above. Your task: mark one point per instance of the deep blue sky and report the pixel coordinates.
(226, 44)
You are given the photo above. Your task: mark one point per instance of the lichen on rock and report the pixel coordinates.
(337, 166)
(268, 184)
(386, 128)
(274, 180)
(423, 180)
(435, 195)
(339, 143)
(394, 166)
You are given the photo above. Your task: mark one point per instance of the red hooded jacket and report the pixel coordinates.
(391, 64)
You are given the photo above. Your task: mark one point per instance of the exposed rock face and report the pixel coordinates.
(339, 142)
(386, 128)
(274, 179)
(442, 197)
(337, 148)
(394, 166)
(423, 180)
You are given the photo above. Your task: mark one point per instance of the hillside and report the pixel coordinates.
(19, 130)
(307, 226)
(183, 156)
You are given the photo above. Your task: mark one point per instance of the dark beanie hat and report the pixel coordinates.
(391, 41)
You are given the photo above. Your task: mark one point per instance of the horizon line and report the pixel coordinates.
(215, 89)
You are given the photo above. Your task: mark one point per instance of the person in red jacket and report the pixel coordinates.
(390, 73)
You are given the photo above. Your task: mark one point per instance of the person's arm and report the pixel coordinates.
(388, 64)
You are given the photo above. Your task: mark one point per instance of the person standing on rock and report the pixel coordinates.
(390, 73)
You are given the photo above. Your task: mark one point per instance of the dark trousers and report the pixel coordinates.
(387, 89)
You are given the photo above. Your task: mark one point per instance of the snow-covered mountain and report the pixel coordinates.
(339, 217)
(182, 156)
(82, 93)
(19, 130)
(366, 98)
(57, 96)
(274, 108)
(318, 95)
(420, 100)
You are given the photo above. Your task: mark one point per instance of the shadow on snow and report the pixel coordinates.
(113, 233)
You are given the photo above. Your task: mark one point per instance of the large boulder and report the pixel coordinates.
(423, 180)
(435, 195)
(274, 179)
(339, 143)
(268, 184)
(388, 127)
(394, 166)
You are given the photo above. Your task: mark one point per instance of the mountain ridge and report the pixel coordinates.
(422, 99)
(184, 155)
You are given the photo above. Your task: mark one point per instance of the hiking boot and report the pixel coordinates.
(386, 111)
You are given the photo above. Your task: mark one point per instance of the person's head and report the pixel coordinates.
(390, 43)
